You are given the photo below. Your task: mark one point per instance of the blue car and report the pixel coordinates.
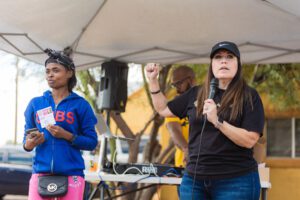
(15, 170)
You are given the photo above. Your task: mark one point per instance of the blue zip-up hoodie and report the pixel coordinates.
(56, 155)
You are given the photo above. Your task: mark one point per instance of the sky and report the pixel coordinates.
(31, 83)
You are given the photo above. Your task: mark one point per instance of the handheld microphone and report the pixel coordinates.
(212, 88)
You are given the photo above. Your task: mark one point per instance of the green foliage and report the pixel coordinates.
(280, 82)
(200, 71)
(88, 85)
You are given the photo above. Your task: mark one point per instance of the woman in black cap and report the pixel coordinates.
(64, 125)
(225, 123)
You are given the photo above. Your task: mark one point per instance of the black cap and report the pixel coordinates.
(230, 46)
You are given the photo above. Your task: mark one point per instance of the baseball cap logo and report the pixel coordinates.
(220, 45)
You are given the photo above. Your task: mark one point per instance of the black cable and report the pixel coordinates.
(201, 134)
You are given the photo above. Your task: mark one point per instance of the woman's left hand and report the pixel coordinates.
(57, 131)
(210, 110)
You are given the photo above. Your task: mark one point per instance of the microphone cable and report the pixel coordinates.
(199, 149)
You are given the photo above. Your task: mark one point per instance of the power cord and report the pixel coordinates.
(114, 167)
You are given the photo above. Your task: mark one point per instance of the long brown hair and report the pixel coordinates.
(234, 96)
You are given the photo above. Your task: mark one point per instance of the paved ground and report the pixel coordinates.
(15, 197)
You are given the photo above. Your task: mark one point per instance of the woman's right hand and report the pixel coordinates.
(33, 141)
(152, 70)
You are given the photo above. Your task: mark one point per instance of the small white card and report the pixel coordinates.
(46, 116)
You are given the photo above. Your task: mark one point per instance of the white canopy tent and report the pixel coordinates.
(141, 31)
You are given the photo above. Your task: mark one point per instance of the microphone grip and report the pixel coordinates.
(212, 93)
(213, 86)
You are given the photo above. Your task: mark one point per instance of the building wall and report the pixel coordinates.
(285, 179)
(168, 192)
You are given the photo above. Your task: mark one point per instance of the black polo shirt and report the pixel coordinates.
(219, 157)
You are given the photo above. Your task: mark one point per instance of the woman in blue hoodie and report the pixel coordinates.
(66, 125)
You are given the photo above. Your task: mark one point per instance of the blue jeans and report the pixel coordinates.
(245, 187)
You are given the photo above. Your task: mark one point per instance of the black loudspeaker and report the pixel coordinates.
(113, 86)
